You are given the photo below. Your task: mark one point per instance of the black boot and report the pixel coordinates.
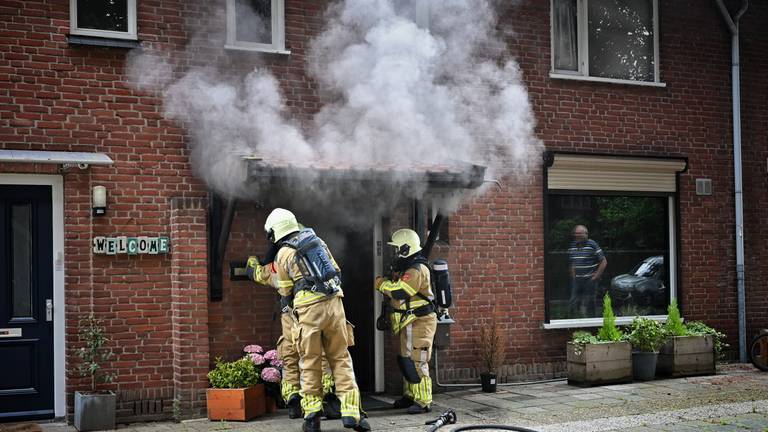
(332, 407)
(403, 402)
(311, 423)
(357, 426)
(294, 407)
(417, 409)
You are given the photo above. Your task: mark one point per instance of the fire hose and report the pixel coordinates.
(449, 417)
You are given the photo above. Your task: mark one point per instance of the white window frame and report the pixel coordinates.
(582, 26)
(278, 31)
(131, 34)
(626, 320)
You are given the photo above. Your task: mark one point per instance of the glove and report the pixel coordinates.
(252, 267)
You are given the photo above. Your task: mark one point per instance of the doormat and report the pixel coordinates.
(20, 427)
(374, 403)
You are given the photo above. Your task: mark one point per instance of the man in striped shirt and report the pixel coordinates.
(587, 265)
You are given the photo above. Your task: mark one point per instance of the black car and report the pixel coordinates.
(643, 286)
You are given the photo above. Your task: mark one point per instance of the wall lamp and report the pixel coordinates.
(99, 200)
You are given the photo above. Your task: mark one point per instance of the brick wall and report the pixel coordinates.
(56, 96)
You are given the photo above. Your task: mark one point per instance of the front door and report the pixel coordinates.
(26, 303)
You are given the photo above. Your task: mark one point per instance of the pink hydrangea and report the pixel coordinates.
(270, 355)
(253, 349)
(270, 374)
(277, 363)
(257, 359)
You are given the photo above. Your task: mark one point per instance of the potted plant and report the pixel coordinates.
(492, 346)
(94, 410)
(646, 337)
(269, 366)
(602, 359)
(238, 388)
(688, 351)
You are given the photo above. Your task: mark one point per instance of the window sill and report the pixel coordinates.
(594, 322)
(257, 50)
(562, 76)
(102, 41)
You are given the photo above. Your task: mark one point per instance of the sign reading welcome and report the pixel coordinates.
(131, 245)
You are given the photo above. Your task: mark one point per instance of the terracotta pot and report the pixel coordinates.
(236, 404)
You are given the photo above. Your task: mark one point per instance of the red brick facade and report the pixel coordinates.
(60, 97)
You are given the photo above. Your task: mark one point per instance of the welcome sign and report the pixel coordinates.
(131, 245)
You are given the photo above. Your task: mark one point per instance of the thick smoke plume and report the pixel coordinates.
(409, 85)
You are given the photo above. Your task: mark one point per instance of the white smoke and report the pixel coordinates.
(412, 85)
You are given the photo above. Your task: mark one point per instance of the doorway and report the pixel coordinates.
(26, 310)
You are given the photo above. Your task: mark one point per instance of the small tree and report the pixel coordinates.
(675, 326)
(609, 332)
(94, 352)
(493, 345)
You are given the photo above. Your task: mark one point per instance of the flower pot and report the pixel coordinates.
(488, 381)
(270, 405)
(94, 411)
(644, 365)
(236, 404)
(598, 364)
(687, 356)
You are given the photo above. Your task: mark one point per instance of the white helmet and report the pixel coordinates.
(406, 242)
(279, 224)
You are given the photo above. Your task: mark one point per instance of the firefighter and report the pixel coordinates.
(265, 273)
(306, 270)
(413, 317)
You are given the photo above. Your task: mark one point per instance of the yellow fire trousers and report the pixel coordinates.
(416, 343)
(289, 354)
(323, 329)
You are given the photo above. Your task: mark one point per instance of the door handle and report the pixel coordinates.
(49, 310)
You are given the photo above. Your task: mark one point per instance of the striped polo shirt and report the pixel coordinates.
(585, 257)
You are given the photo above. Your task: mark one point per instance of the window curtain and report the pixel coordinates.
(565, 34)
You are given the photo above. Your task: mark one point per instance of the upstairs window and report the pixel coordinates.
(605, 40)
(256, 25)
(103, 18)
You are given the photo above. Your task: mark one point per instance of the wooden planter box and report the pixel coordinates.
(687, 356)
(596, 364)
(236, 404)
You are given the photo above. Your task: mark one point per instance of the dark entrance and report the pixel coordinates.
(352, 247)
(26, 303)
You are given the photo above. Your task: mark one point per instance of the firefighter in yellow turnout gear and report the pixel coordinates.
(266, 274)
(306, 270)
(413, 317)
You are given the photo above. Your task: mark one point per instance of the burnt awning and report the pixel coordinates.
(451, 174)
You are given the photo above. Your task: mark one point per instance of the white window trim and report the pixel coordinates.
(131, 34)
(278, 31)
(583, 56)
(626, 320)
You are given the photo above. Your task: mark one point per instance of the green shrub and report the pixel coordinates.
(95, 352)
(698, 328)
(609, 332)
(647, 335)
(582, 337)
(240, 373)
(675, 326)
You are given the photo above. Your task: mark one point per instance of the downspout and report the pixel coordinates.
(733, 27)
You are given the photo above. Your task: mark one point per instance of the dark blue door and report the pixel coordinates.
(26, 303)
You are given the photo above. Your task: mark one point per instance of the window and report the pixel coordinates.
(256, 25)
(103, 18)
(606, 40)
(610, 219)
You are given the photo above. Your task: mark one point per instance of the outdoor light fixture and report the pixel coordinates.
(99, 200)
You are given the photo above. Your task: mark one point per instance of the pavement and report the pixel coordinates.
(736, 399)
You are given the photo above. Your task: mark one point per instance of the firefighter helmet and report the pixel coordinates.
(406, 242)
(279, 224)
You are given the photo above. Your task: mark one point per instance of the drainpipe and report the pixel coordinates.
(733, 27)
